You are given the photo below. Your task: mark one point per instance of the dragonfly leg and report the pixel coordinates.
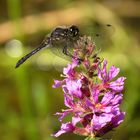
(66, 52)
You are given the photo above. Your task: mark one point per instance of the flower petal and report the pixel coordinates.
(57, 83)
(65, 127)
(74, 87)
(118, 119)
(68, 101)
(107, 98)
(102, 72)
(117, 85)
(113, 72)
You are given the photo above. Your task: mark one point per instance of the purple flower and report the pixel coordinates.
(69, 70)
(68, 127)
(107, 78)
(58, 83)
(73, 87)
(65, 127)
(91, 94)
(106, 111)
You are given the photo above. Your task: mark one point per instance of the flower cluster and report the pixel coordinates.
(92, 94)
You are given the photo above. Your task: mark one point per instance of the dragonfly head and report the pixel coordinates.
(74, 31)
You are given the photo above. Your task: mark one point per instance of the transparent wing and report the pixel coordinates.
(101, 34)
(63, 49)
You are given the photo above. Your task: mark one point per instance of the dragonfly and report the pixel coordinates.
(60, 37)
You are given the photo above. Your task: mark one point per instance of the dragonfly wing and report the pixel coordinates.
(101, 34)
(63, 49)
(57, 49)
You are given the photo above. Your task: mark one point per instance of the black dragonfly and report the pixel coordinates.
(61, 41)
(60, 37)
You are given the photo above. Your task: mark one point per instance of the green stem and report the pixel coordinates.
(90, 138)
(96, 138)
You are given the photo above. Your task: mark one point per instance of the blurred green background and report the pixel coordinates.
(27, 100)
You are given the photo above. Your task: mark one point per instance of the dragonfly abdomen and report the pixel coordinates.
(23, 59)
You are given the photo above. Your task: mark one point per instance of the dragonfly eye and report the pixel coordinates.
(74, 30)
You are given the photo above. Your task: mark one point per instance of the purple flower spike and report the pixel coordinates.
(92, 95)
